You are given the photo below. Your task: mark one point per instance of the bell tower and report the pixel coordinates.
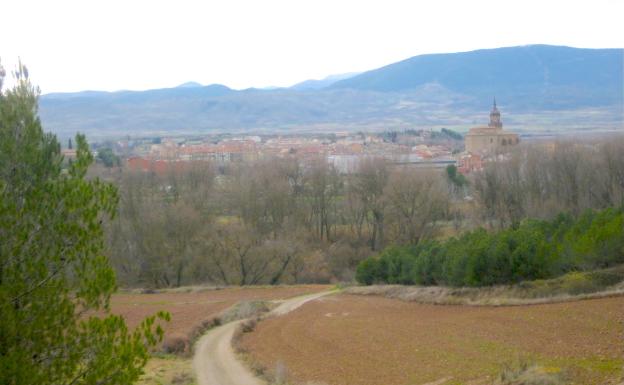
(495, 118)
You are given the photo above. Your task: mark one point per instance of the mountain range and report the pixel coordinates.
(317, 84)
(548, 87)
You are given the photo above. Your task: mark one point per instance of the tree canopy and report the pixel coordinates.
(55, 282)
(108, 157)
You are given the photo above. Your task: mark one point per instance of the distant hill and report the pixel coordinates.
(189, 85)
(554, 75)
(317, 84)
(534, 85)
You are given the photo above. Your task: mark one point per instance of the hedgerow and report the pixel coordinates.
(531, 250)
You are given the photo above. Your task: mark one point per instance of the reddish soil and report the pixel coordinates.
(357, 340)
(190, 309)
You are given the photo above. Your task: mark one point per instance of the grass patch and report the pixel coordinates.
(182, 289)
(167, 369)
(573, 283)
(525, 373)
(604, 366)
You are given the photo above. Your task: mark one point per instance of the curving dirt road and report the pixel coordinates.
(215, 362)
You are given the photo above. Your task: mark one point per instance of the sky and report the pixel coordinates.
(134, 44)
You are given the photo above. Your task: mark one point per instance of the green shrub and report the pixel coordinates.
(602, 243)
(396, 265)
(532, 250)
(427, 269)
(367, 271)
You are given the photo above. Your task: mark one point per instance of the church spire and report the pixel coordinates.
(495, 118)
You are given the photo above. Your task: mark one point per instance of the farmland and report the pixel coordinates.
(188, 308)
(369, 340)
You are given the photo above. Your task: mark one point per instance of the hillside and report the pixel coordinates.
(583, 86)
(539, 70)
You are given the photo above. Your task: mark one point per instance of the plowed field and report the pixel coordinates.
(357, 340)
(190, 309)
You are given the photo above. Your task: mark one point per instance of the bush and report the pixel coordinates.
(426, 269)
(396, 265)
(249, 325)
(531, 251)
(202, 328)
(602, 242)
(245, 309)
(175, 344)
(368, 271)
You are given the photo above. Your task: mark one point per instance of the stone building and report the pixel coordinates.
(490, 139)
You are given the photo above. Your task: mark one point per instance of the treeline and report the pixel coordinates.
(542, 180)
(282, 220)
(445, 135)
(269, 221)
(532, 250)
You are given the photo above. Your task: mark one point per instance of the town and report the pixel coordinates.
(311, 193)
(343, 150)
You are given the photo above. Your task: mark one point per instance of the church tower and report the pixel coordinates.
(495, 118)
(490, 139)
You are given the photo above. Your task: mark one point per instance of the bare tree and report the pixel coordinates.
(368, 186)
(540, 181)
(261, 195)
(417, 199)
(323, 186)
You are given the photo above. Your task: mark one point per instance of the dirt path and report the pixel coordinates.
(215, 362)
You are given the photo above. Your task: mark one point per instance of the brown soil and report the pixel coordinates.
(355, 340)
(189, 309)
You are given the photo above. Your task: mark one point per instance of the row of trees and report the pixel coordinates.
(269, 221)
(281, 220)
(534, 249)
(540, 181)
(536, 181)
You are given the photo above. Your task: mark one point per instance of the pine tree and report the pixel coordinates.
(55, 282)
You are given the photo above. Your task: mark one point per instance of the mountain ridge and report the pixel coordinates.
(451, 90)
(536, 64)
(316, 84)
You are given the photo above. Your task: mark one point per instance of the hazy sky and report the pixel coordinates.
(132, 44)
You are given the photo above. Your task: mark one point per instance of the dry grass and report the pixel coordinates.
(168, 370)
(498, 296)
(526, 373)
(570, 287)
(246, 309)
